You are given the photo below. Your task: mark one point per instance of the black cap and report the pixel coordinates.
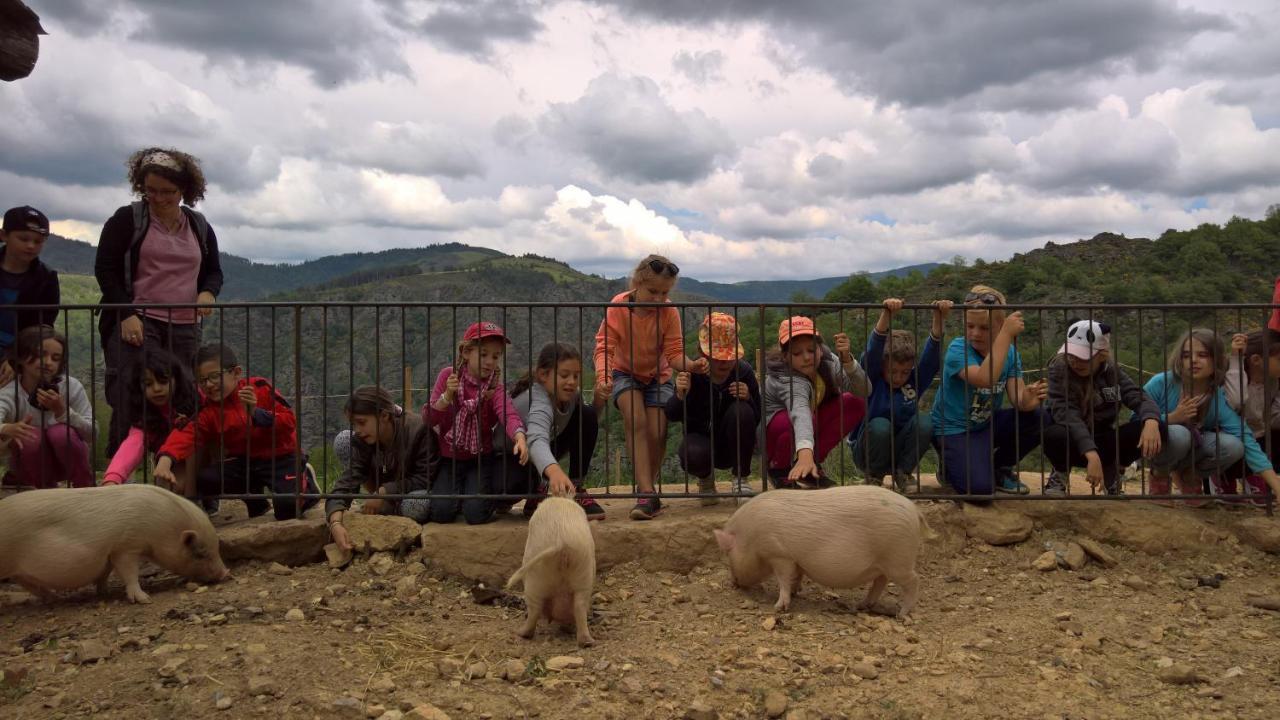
(26, 218)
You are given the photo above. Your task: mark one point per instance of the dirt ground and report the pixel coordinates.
(991, 637)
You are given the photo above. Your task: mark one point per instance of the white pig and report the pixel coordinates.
(65, 539)
(841, 537)
(559, 569)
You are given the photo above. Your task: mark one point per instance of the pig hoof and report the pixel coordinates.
(140, 597)
(781, 606)
(587, 641)
(526, 635)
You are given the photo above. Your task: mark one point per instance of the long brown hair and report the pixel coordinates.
(549, 358)
(1211, 342)
(777, 361)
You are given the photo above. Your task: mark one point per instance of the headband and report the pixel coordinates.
(163, 159)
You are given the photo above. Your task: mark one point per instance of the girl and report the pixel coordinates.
(165, 398)
(46, 421)
(636, 350)
(1201, 422)
(1251, 378)
(559, 423)
(1086, 391)
(466, 403)
(809, 402)
(392, 451)
(977, 441)
(719, 410)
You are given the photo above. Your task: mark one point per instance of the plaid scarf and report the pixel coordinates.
(465, 433)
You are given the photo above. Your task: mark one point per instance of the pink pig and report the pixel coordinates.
(841, 537)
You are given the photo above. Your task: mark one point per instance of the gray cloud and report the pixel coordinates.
(934, 51)
(700, 66)
(630, 131)
(473, 28)
(338, 42)
(412, 148)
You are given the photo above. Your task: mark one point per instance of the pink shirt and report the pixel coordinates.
(168, 270)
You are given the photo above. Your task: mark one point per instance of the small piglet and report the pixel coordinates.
(841, 537)
(65, 539)
(559, 569)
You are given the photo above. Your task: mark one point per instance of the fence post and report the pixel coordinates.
(408, 388)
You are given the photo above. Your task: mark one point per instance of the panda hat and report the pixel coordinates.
(1086, 338)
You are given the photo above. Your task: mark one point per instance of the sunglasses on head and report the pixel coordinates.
(984, 298)
(660, 266)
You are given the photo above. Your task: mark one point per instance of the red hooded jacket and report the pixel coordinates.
(227, 426)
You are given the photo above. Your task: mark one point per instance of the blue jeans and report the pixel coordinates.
(656, 393)
(1212, 455)
(464, 477)
(970, 459)
(879, 450)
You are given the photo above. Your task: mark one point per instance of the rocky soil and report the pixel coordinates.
(1028, 610)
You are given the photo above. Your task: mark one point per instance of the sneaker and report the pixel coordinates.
(1007, 482)
(708, 485)
(902, 482)
(1226, 486)
(647, 508)
(594, 510)
(1256, 488)
(778, 476)
(742, 486)
(310, 486)
(1192, 485)
(1055, 485)
(530, 505)
(210, 506)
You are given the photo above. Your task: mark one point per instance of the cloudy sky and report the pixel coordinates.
(745, 139)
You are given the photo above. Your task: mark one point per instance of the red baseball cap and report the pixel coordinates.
(481, 330)
(794, 327)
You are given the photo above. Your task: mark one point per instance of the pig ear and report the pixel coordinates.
(725, 539)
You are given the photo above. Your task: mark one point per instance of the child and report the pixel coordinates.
(977, 441)
(251, 427)
(1086, 391)
(636, 350)
(719, 410)
(24, 280)
(808, 402)
(46, 421)
(1251, 375)
(164, 398)
(895, 434)
(392, 451)
(1201, 421)
(467, 401)
(559, 423)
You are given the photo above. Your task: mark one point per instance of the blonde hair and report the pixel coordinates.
(996, 314)
(901, 347)
(643, 273)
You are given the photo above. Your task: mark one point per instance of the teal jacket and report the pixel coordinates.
(1166, 391)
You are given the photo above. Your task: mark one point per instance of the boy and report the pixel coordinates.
(252, 428)
(894, 435)
(24, 280)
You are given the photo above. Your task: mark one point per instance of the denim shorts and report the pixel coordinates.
(656, 393)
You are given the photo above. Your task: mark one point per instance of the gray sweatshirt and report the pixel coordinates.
(543, 423)
(785, 389)
(79, 415)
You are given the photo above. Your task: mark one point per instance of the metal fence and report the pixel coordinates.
(315, 354)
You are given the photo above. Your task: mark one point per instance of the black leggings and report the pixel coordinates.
(734, 443)
(577, 440)
(1116, 447)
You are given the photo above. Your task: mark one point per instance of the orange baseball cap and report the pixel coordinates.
(718, 337)
(794, 327)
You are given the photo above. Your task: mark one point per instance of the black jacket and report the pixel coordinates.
(39, 287)
(707, 401)
(1111, 389)
(407, 466)
(118, 255)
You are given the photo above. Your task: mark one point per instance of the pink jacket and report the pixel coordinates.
(499, 406)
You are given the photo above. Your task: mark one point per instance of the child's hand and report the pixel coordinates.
(1188, 409)
(1150, 439)
(496, 382)
(52, 401)
(19, 432)
(942, 308)
(701, 366)
(843, 348)
(451, 387)
(892, 305)
(248, 397)
(6, 373)
(740, 391)
(1034, 394)
(373, 506)
(682, 384)
(602, 390)
(1093, 469)
(559, 484)
(164, 471)
(1013, 325)
(521, 450)
(804, 467)
(339, 533)
(1239, 342)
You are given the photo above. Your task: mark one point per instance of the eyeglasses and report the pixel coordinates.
(158, 193)
(660, 266)
(212, 378)
(984, 298)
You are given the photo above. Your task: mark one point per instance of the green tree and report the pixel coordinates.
(859, 288)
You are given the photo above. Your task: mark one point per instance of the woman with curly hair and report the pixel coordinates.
(153, 252)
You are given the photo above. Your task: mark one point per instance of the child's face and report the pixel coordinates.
(655, 290)
(721, 368)
(977, 329)
(562, 384)
(155, 390)
(23, 245)
(372, 429)
(1086, 368)
(1197, 361)
(46, 367)
(898, 372)
(216, 381)
(802, 354)
(1257, 365)
(163, 197)
(485, 357)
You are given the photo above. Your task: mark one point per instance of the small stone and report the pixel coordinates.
(171, 667)
(865, 670)
(406, 587)
(1265, 602)
(295, 615)
(1063, 616)
(426, 711)
(384, 685)
(261, 686)
(476, 670)
(775, 703)
(337, 557)
(92, 651)
(1233, 672)
(348, 707)
(564, 662)
(1133, 582)
(1097, 551)
(373, 712)
(1178, 674)
(769, 623)
(171, 648)
(253, 611)
(513, 671)
(223, 703)
(1075, 557)
(1164, 662)
(1188, 583)
(218, 619)
(1046, 562)
(1209, 692)
(701, 710)
(277, 569)
(392, 715)
(255, 648)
